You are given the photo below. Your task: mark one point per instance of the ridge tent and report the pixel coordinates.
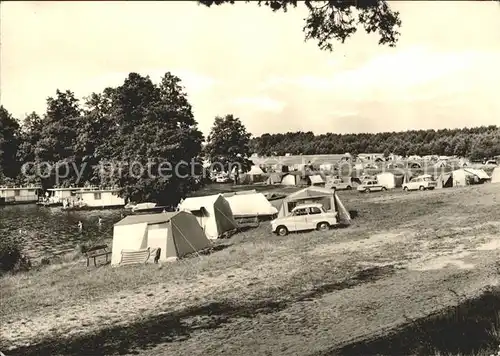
(327, 197)
(173, 235)
(495, 175)
(445, 180)
(315, 180)
(387, 179)
(274, 178)
(250, 205)
(290, 179)
(213, 213)
(466, 176)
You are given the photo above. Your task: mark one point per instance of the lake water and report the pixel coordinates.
(48, 231)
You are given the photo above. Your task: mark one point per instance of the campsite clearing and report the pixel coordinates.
(404, 256)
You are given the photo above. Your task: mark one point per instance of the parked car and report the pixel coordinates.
(420, 183)
(222, 179)
(338, 184)
(305, 217)
(372, 185)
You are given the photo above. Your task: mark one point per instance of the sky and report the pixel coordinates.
(248, 61)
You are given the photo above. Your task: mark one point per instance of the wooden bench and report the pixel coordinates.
(135, 257)
(97, 251)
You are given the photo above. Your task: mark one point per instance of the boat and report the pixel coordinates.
(10, 195)
(147, 208)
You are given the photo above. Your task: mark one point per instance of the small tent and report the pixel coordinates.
(274, 178)
(327, 197)
(213, 213)
(495, 175)
(387, 179)
(290, 179)
(466, 176)
(250, 205)
(445, 180)
(255, 171)
(171, 235)
(315, 180)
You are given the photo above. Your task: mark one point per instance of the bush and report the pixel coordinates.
(12, 258)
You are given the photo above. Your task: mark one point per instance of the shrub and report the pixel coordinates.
(12, 258)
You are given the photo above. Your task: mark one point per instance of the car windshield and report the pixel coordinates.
(428, 179)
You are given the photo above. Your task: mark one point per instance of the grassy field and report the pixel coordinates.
(405, 257)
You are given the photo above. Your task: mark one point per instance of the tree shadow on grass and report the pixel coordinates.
(178, 326)
(467, 329)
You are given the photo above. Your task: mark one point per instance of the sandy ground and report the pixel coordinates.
(361, 283)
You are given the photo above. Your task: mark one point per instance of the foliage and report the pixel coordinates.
(339, 19)
(476, 143)
(228, 145)
(138, 124)
(12, 258)
(150, 126)
(9, 142)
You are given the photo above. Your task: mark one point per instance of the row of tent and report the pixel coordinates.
(459, 177)
(174, 235)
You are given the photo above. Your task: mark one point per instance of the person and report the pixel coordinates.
(99, 221)
(80, 225)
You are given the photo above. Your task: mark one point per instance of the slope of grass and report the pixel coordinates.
(313, 292)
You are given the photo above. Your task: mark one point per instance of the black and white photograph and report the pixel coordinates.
(254, 178)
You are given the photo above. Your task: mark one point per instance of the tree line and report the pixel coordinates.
(474, 143)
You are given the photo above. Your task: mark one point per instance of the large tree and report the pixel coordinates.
(228, 145)
(58, 138)
(9, 142)
(153, 141)
(338, 19)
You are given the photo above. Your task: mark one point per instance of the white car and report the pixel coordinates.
(222, 179)
(424, 182)
(371, 185)
(305, 217)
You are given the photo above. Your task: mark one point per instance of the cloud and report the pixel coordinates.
(260, 103)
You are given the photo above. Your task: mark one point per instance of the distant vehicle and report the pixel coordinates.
(338, 184)
(305, 217)
(420, 183)
(372, 185)
(222, 179)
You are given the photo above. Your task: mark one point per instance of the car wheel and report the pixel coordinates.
(405, 189)
(348, 187)
(282, 231)
(384, 189)
(422, 188)
(367, 190)
(323, 226)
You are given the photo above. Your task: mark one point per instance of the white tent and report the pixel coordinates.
(387, 179)
(289, 179)
(495, 175)
(168, 235)
(213, 213)
(460, 176)
(316, 180)
(249, 205)
(255, 171)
